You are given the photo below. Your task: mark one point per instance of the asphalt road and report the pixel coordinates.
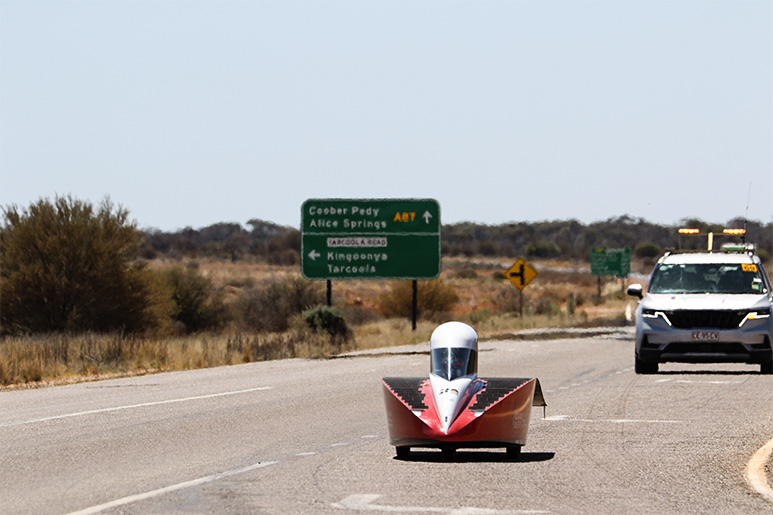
(310, 437)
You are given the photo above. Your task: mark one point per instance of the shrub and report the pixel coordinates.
(197, 305)
(547, 306)
(65, 266)
(480, 316)
(329, 320)
(508, 299)
(647, 250)
(497, 276)
(466, 273)
(543, 249)
(268, 307)
(434, 298)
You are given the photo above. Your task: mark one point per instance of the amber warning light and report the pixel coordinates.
(689, 231)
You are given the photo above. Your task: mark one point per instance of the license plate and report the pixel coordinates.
(705, 336)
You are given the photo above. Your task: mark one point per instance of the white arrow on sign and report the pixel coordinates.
(314, 254)
(426, 216)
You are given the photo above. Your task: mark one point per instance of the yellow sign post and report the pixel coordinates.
(520, 274)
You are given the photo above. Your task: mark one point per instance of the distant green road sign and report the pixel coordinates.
(370, 239)
(610, 261)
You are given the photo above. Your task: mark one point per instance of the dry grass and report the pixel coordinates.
(46, 359)
(561, 296)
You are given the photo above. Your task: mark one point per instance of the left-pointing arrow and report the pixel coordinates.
(314, 255)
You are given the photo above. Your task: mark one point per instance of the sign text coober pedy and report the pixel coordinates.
(370, 239)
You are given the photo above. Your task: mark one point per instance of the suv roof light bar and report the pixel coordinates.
(725, 232)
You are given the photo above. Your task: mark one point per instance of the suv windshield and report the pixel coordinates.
(452, 362)
(740, 278)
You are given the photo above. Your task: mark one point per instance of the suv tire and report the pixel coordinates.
(644, 367)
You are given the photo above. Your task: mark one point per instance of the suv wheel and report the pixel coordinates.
(767, 367)
(644, 367)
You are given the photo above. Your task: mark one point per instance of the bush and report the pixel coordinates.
(508, 299)
(197, 305)
(466, 273)
(268, 307)
(547, 306)
(543, 249)
(329, 320)
(647, 250)
(434, 299)
(65, 266)
(480, 316)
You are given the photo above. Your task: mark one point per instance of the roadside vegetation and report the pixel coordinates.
(85, 294)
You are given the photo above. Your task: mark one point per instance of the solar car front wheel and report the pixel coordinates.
(513, 451)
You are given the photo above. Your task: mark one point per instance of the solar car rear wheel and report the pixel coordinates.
(403, 451)
(513, 451)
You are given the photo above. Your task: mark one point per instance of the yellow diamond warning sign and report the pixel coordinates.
(520, 274)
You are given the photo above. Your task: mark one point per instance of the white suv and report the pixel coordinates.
(705, 307)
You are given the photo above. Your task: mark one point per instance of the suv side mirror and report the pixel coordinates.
(635, 290)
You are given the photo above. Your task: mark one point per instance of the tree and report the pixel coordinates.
(542, 249)
(65, 266)
(647, 250)
(197, 304)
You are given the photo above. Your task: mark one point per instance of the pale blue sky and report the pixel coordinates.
(190, 113)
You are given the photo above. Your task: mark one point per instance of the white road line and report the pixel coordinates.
(692, 381)
(363, 502)
(755, 471)
(171, 488)
(566, 418)
(132, 406)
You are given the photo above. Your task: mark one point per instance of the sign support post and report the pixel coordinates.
(414, 304)
(520, 274)
(610, 261)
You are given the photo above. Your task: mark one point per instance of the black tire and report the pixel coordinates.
(767, 367)
(403, 451)
(644, 367)
(448, 453)
(513, 452)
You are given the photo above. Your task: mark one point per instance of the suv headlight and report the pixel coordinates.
(757, 314)
(651, 313)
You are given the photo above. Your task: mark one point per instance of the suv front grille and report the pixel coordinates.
(717, 319)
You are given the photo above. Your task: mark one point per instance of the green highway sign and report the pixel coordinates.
(370, 239)
(610, 261)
